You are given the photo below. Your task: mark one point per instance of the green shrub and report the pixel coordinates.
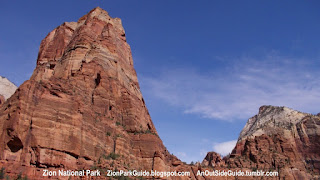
(147, 131)
(113, 156)
(2, 173)
(19, 177)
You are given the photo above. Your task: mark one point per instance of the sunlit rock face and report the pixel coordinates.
(82, 107)
(282, 139)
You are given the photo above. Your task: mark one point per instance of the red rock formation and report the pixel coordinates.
(279, 139)
(212, 159)
(82, 108)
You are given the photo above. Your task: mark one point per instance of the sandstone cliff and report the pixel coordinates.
(82, 108)
(7, 88)
(278, 139)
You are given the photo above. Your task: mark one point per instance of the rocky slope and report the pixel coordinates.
(7, 88)
(278, 139)
(82, 108)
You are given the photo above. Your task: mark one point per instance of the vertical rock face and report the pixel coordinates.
(82, 107)
(282, 139)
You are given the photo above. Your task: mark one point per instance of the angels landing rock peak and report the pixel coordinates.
(82, 106)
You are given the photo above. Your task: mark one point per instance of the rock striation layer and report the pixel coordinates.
(82, 108)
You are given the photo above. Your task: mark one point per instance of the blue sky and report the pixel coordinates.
(204, 67)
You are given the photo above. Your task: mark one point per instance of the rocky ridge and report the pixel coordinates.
(271, 120)
(277, 139)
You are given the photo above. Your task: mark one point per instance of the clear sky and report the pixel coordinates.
(204, 67)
